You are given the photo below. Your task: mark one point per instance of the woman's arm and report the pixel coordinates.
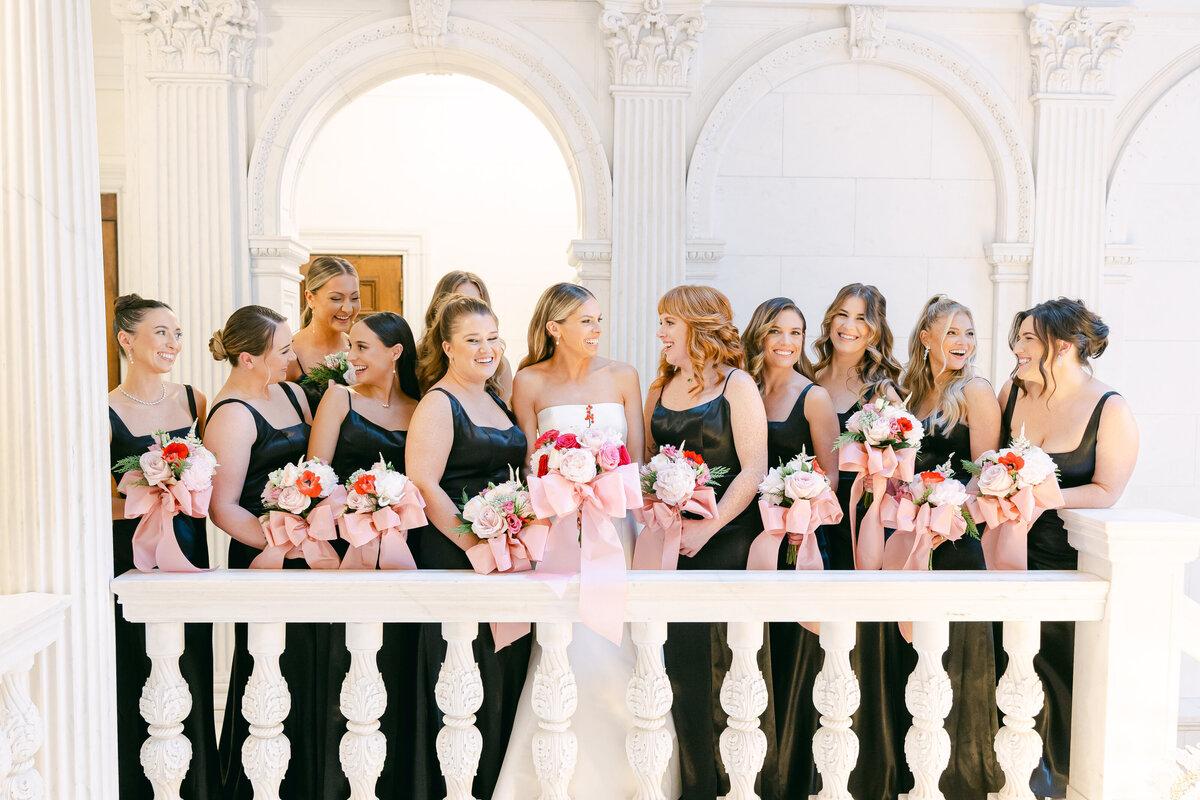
(327, 427)
(631, 398)
(823, 424)
(983, 419)
(524, 389)
(430, 437)
(650, 447)
(230, 440)
(1116, 456)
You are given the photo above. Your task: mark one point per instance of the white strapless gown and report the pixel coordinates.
(602, 672)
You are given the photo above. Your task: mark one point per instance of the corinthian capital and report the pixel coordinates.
(650, 47)
(1073, 48)
(202, 36)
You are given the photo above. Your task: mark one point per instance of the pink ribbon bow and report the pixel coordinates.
(799, 524)
(911, 543)
(510, 552)
(293, 536)
(1008, 520)
(154, 542)
(876, 465)
(381, 537)
(657, 546)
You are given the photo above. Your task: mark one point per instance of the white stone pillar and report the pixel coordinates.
(1072, 49)
(651, 48)
(55, 535)
(1010, 294)
(184, 212)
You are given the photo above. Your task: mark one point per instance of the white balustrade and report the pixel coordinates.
(363, 700)
(459, 694)
(744, 699)
(929, 699)
(648, 743)
(165, 704)
(266, 750)
(836, 696)
(555, 698)
(1019, 696)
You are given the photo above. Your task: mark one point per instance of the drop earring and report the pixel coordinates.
(926, 352)
(129, 355)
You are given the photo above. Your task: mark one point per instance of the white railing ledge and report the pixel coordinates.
(1132, 535)
(693, 596)
(29, 623)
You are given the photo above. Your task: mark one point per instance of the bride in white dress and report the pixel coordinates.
(563, 385)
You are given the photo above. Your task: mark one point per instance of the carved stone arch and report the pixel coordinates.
(974, 92)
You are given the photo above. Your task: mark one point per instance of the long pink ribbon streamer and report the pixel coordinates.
(154, 542)
(293, 536)
(510, 552)
(1005, 542)
(877, 465)
(657, 546)
(381, 538)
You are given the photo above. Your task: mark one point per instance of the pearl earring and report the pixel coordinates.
(558, 340)
(1058, 360)
(129, 355)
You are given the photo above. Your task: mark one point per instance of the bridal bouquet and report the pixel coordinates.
(503, 517)
(302, 502)
(675, 481)
(880, 442)
(333, 367)
(174, 475)
(794, 499)
(382, 506)
(1015, 485)
(929, 509)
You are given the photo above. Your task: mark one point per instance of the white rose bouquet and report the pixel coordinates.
(926, 511)
(382, 506)
(675, 481)
(302, 503)
(503, 517)
(173, 476)
(333, 367)
(794, 499)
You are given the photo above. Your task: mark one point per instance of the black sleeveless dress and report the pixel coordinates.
(307, 644)
(314, 391)
(1048, 549)
(479, 455)
(697, 653)
(133, 665)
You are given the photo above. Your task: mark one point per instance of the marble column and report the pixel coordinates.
(55, 535)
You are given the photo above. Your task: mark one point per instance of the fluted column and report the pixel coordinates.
(651, 49)
(1072, 49)
(55, 535)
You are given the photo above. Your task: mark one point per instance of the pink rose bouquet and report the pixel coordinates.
(503, 517)
(302, 501)
(382, 506)
(794, 499)
(926, 511)
(675, 481)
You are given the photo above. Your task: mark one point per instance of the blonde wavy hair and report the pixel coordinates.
(755, 334)
(432, 361)
(712, 337)
(878, 368)
(556, 304)
(948, 386)
(320, 271)
(446, 286)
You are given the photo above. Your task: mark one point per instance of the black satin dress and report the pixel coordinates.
(796, 656)
(360, 444)
(1048, 549)
(479, 455)
(313, 390)
(697, 654)
(304, 662)
(133, 665)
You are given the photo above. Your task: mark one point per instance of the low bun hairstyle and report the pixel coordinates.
(432, 361)
(555, 305)
(319, 273)
(129, 310)
(392, 329)
(1061, 320)
(250, 329)
(712, 337)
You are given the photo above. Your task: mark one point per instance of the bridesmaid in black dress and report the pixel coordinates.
(713, 407)
(1089, 431)
(354, 428)
(855, 365)
(258, 424)
(149, 334)
(462, 437)
(331, 304)
(800, 416)
(961, 419)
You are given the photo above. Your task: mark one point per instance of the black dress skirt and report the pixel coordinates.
(133, 665)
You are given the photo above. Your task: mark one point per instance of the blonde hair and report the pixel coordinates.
(432, 361)
(755, 333)
(447, 285)
(556, 304)
(878, 368)
(250, 329)
(320, 271)
(712, 338)
(948, 386)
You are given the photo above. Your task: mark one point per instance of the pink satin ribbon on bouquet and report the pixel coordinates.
(876, 465)
(798, 525)
(154, 542)
(381, 537)
(292, 536)
(657, 546)
(583, 539)
(510, 552)
(1008, 520)
(911, 542)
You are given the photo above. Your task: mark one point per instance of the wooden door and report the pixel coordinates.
(380, 281)
(108, 228)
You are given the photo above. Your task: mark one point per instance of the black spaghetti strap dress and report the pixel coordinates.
(313, 390)
(133, 665)
(1048, 549)
(697, 653)
(479, 455)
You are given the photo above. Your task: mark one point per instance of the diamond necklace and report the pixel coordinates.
(121, 389)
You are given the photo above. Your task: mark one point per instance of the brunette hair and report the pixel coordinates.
(319, 272)
(392, 329)
(250, 329)
(129, 310)
(878, 368)
(755, 333)
(556, 304)
(947, 387)
(1061, 320)
(712, 338)
(447, 285)
(432, 361)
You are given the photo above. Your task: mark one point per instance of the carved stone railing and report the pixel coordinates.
(1126, 598)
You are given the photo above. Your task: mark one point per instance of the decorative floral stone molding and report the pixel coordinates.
(430, 18)
(866, 24)
(1073, 48)
(206, 36)
(651, 47)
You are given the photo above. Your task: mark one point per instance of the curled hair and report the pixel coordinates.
(755, 333)
(129, 310)
(447, 285)
(878, 368)
(250, 329)
(320, 271)
(392, 329)
(432, 361)
(712, 339)
(556, 304)
(947, 387)
(1061, 320)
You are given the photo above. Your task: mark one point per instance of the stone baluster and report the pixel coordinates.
(1019, 696)
(459, 693)
(648, 744)
(165, 704)
(744, 699)
(836, 696)
(266, 751)
(363, 700)
(21, 728)
(929, 698)
(555, 698)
